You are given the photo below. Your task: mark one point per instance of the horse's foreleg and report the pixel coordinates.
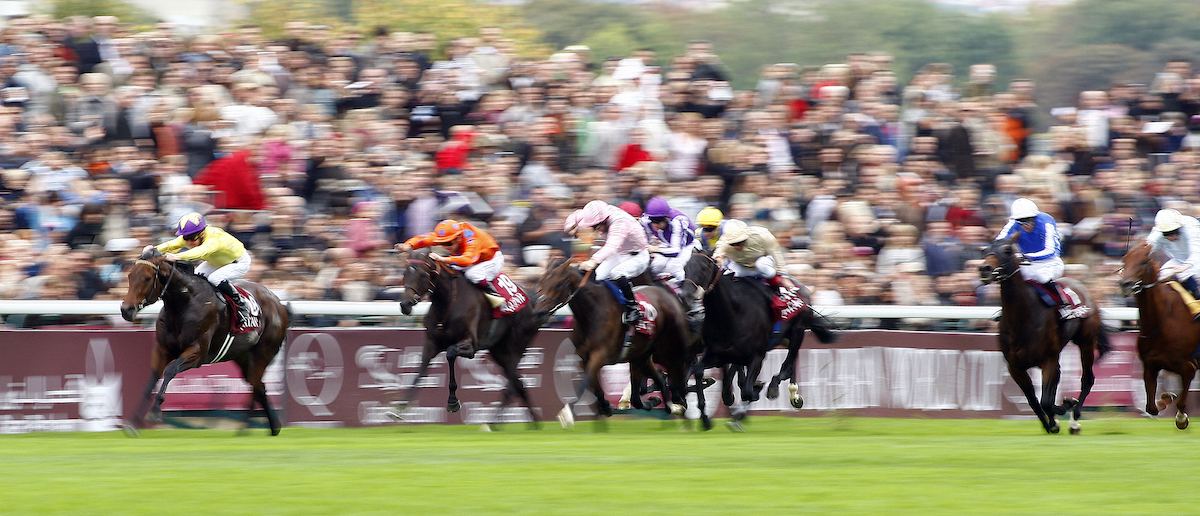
(727, 373)
(1186, 373)
(183, 363)
(1150, 380)
(409, 391)
(1021, 378)
(452, 403)
(140, 414)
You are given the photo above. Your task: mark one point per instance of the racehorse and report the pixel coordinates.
(737, 334)
(194, 328)
(1032, 335)
(1167, 334)
(457, 323)
(599, 336)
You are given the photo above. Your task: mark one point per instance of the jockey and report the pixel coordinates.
(1179, 235)
(472, 251)
(225, 257)
(623, 255)
(672, 232)
(751, 251)
(1040, 242)
(711, 222)
(631, 208)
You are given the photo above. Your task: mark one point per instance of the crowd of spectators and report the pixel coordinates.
(321, 148)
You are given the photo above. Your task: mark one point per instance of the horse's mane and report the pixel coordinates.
(184, 267)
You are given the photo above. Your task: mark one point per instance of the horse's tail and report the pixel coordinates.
(823, 328)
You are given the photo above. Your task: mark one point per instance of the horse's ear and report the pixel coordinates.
(152, 253)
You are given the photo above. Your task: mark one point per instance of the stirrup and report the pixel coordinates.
(631, 316)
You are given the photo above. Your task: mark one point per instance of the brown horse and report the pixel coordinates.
(458, 321)
(599, 336)
(193, 329)
(1167, 334)
(1032, 335)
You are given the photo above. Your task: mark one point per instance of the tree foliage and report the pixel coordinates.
(127, 12)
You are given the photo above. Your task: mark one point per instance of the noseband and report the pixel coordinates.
(146, 301)
(998, 272)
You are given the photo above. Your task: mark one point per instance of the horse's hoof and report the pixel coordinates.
(727, 400)
(395, 415)
(1181, 422)
(653, 401)
(275, 431)
(735, 426)
(623, 405)
(677, 409)
(1076, 431)
(1054, 429)
(154, 419)
(453, 406)
(797, 401)
(706, 423)
(606, 410)
(1069, 403)
(130, 430)
(773, 391)
(1165, 400)
(707, 382)
(566, 418)
(486, 427)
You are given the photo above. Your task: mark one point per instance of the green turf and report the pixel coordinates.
(779, 466)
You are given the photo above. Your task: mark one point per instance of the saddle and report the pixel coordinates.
(243, 321)
(648, 325)
(1069, 303)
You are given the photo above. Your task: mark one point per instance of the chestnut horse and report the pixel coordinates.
(193, 329)
(599, 336)
(458, 321)
(1032, 335)
(1167, 334)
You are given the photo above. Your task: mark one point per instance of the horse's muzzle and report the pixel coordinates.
(988, 274)
(406, 307)
(127, 312)
(1131, 288)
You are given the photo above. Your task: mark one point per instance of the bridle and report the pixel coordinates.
(998, 273)
(582, 282)
(435, 268)
(146, 301)
(1138, 286)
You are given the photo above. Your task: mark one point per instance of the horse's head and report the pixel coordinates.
(145, 284)
(555, 288)
(1140, 269)
(418, 279)
(1000, 261)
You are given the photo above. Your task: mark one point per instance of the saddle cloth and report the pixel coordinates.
(787, 303)
(1072, 306)
(1192, 304)
(511, 299)
(247, 321)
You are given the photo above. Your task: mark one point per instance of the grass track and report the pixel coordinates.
(780, 466)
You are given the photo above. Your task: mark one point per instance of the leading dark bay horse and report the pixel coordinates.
(1032, 335)
(194, 329)
(599, 336)
(457, 323)
(737, 334)
(1167, 335)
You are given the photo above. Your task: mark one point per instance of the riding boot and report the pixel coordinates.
(633, 312)
(1057, 295)
(1192, 287)
(225, 287)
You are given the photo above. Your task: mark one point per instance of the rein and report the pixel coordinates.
(146, 301)
(582, 282)
(436, 268)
